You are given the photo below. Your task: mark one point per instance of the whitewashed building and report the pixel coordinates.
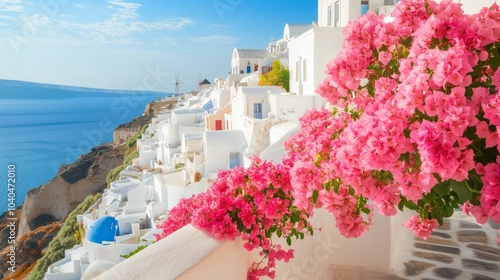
(170, 131)
(246, 61)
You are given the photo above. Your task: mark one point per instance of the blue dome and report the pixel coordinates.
(103, 229)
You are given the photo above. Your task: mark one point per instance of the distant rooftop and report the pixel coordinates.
(251, 53)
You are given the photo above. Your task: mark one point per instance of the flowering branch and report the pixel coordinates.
(255, 204)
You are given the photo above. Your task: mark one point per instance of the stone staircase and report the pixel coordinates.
(459, 249)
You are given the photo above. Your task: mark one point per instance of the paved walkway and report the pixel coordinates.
(459, 249)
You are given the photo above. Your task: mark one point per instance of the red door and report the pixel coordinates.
(218, 125)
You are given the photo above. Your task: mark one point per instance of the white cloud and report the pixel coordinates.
(11, 6)
(119, 31)
(165, 41)
(7, 17)
(124, 10)
(120, 22)
(216, 26)
(83, 5)
(216, 40)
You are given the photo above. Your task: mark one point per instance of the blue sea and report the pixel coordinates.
(44, 126)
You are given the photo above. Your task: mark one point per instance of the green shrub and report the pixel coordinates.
(137, 250)
(130, 154)
(133, 140)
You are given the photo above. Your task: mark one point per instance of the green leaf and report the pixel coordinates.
(375, 53)
(405, 157)
(494, 58)
(442, 189)
(279, 232)
(288, 241)
(328, 186)
(351, 191)
(418, 162)
(448, 211)
(439, 217)
(402, 203)
(407, 132)
(314, 197)
(336, 186)
(366, 210)
(464, 194)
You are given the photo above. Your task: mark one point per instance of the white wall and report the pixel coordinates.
(192, 142)
(161, 192)
(147, 158)
(349, 10)
(175, 193)
(125, 221)
(167, 259)
(192, 254)
(257, 134)
(290, 107)
(139, 196)
(471, 7)
(242, 103)
(219, 145)
(317, 46)
(189, 129)
(220, 97)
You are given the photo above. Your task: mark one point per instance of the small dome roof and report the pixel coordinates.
(103, 229)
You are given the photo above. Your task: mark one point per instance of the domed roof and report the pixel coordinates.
(103, 229)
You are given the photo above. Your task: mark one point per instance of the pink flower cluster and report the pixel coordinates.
(254, 204)
(422, 228)
(423, 103)
(489, 207)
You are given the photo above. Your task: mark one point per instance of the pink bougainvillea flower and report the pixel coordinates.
(422, 228)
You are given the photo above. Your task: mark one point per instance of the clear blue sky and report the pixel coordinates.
(128, 45)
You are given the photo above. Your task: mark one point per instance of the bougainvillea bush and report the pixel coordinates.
(420, 104)
(254, 204)
(414, 124)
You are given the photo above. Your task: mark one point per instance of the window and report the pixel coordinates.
(337, 14)
(364, 7)
(304, 70)
(234, 160)
(329, 16)
(257, 110)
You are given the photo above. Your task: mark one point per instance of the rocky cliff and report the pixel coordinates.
(124, 131)
(46, 206)
(73, 183)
